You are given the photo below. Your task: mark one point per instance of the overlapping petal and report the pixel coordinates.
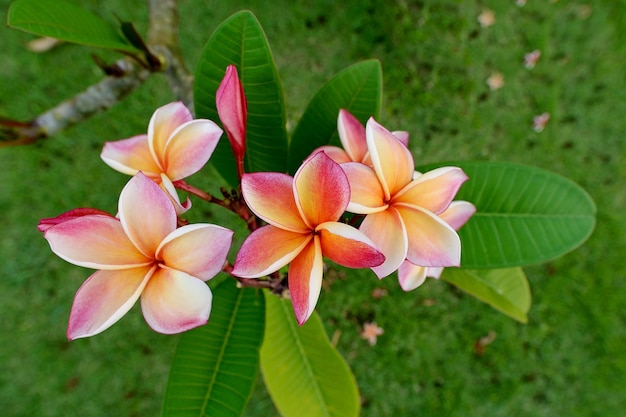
(352, 136)
(189, 148)
(321, 190)
(95, 241)
(129, 156)
(386, 229)
(270, 196)
(173, 301)
(433, 190)
(458, 213)
(411, 276)
(268, 249)
(391, 160)
(197, 249)
(366, 192)
(163, 123)
(348, 246)
(104, 298)
(432, 241)
(305, 279)
(146, 214)
(335, 153)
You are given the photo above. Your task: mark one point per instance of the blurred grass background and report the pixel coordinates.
(436, 57)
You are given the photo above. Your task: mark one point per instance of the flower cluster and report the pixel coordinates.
(363, 206)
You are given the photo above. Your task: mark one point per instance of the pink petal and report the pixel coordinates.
(352, 136)
(45, 224)
(321, 190)
(386, 230)
(402, 136)
(104, 298)
(270, 196)
(392, 160)
(169, 188)
(432, 242)
(174, 301)
(197, 249)
(411, 276)
(232, 110)
(366, 193)
(433, 190)
(458, 213)
(95, 241)
(146, 214)
(189, 148)
(305, 280)
(163, 123)
(348, 246)
(268, 249)
(334, 152)
(131, 155)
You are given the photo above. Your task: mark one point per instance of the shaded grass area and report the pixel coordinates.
(568, 360)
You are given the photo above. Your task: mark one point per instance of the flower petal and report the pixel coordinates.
(411, 276)
(348, 246)
(270, 196)
(189, 148)
(45, 224)
(163, 123)
(146, 213)
(197, 249)
(131, 155)
(386, 230)
(334, 152)
(402, 135)
(392, 160)
(433, 190)
(366, 193)
(458, 213)
(268, 249)
(305, 280)
(352, 136)
(321, 190)
(432, 242)
(104, 298)
(95, 241)
(231, 106)
(174, 301)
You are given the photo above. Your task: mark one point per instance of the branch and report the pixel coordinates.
(130, 74)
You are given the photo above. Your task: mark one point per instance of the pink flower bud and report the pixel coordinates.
(232, 109)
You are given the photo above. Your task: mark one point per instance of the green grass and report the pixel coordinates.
(569, 359)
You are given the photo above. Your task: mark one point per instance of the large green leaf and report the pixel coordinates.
(240, 40)
(504, 289)
(66, 21)
(215, 366)
(525, 215)
(358, 89)
(303, 372)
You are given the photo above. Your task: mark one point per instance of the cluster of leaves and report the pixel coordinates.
(524, 216)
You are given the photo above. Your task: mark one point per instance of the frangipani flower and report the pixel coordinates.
(402, 206)
(232, 109)
(175, 147)
(303, 213)
(412, 276)
(352, 137)
(140, 254)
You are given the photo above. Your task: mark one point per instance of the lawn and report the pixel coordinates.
(568, 360)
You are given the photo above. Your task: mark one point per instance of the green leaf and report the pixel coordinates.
(525, 215)
(215, 366)
(303, 372)
(66, 21)
(240, 40)
(505, 289)
(358, 89)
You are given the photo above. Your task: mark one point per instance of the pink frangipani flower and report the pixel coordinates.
(175, 147)
(402, 206)
(411, 276)
(232, 109)
(141, 254)
(303, 213)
